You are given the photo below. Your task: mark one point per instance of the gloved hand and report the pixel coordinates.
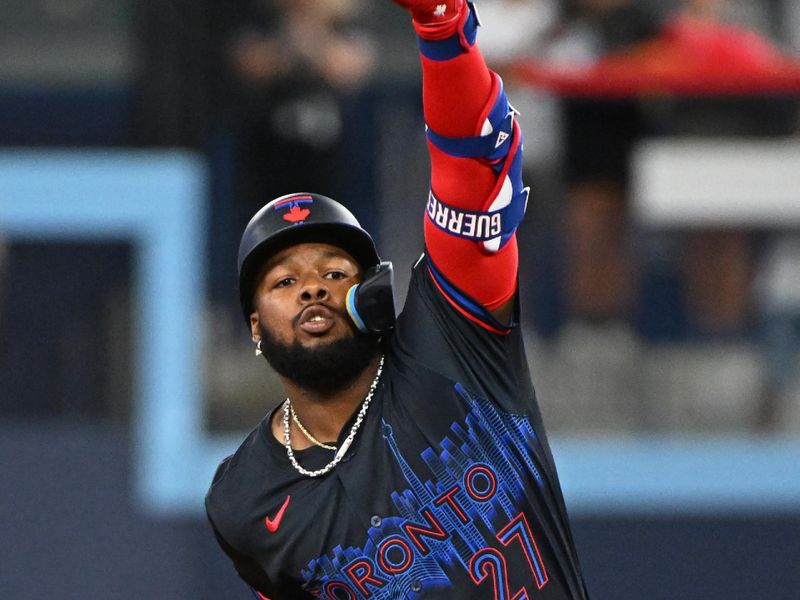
(433, 12)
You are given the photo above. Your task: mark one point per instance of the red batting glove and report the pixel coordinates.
(434, 15)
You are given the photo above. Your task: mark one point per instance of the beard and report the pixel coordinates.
(325, 369)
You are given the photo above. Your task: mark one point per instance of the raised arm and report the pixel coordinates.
(477, 198)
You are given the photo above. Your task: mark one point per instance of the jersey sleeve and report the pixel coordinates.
(248, 569)
(476, 198)
(486, 356)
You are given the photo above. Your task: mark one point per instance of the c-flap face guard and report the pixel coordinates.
(371, 302)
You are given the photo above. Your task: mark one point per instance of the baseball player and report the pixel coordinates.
(408, 459)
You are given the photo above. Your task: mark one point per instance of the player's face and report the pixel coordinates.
(300, 298)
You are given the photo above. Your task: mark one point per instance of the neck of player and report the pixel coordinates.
(323, 415)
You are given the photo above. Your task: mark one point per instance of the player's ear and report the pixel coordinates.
(254, 323)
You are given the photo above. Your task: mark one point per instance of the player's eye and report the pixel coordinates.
(335, 275)
(285, 282)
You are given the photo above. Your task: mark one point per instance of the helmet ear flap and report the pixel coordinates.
(370, 303)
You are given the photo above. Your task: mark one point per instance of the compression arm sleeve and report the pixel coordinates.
(474, 144)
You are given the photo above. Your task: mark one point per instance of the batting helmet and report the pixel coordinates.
(296, 219)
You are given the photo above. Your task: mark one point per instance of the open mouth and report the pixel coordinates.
(316, 319)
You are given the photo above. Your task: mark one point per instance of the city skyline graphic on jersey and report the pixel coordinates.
(467, 501)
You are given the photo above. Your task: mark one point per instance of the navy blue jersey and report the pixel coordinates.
(449, 489)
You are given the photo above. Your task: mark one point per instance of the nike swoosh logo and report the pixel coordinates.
(273, 524)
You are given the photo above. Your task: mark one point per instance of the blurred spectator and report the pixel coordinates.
(778, 293)
(600, 275)
(663, 41)
(295, 64)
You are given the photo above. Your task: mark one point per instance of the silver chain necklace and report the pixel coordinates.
(287, 441)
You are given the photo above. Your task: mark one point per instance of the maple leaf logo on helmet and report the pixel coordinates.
(296, 213)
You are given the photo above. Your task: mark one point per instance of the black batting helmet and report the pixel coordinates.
(296, 219)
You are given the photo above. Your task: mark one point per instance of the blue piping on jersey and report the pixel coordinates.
(468, 304)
